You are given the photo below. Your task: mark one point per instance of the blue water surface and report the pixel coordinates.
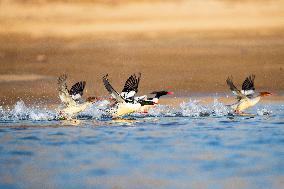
(164, 151)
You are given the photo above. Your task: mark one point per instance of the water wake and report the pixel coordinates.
(190, 108)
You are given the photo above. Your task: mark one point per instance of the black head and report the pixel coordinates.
(158, 94)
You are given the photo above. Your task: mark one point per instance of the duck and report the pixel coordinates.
(72, 100)
(246, 97)
(125, 102)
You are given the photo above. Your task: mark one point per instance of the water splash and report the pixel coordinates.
(96, 110)
(162, 111)
(263, 112)
(2, 112)
(219, 109)
(193, 108)
(21, 112)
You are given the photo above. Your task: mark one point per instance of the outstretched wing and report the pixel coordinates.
(132, 83)
(63, 91)
(248, 86)
(234, 89)
(131, 87)
(111, 90)
(76, 91)
(62, 85)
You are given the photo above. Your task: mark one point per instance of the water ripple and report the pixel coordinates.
(160, 151)
(21, 153)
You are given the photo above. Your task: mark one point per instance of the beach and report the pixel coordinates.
(186, 47)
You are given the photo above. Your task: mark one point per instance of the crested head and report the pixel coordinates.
(262, 94)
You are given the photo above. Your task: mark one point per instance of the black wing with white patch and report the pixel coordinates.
(248, 86)
(132, 83)
(76, 91)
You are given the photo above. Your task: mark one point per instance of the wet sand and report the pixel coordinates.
(182, 46)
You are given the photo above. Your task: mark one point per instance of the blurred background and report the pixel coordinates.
(186, 46)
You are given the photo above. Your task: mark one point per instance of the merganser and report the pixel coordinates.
(72, 99)
(246, 97)
(151, 102)
(126, 102)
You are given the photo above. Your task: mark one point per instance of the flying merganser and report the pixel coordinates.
(126, 102)
(72, 99)
(151, 102)
(246, 97)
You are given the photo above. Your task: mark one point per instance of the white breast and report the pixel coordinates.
(72, 110)
(127, 95)
(126, 108)
(245, 103)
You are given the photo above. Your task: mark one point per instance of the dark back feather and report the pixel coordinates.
(146, 102)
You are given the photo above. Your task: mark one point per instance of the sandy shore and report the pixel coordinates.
(187, 47)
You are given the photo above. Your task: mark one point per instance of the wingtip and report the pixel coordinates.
(136, 75)
(64, 75)
(61, 78)
(105, 76)
(251, 77)
(229, 79)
